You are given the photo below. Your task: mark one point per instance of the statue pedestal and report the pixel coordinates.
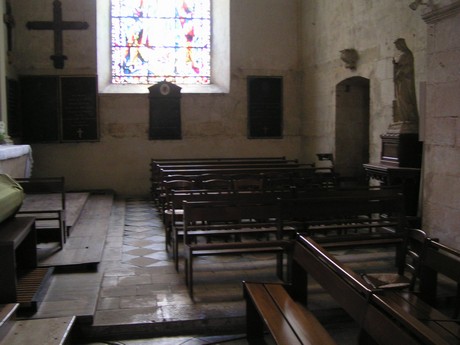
(401, 147)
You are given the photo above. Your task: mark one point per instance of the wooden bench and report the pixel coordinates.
(50, 218)
(156, 165)
(251, 224)
(49, 331)
(384, 316)
(288, 322)
(440, 259)
(357, 211)
(174, 213)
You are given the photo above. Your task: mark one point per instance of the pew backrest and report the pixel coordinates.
(314, 209)
(356, 297)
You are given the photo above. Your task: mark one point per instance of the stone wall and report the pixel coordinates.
(264, 42)
(441, 199)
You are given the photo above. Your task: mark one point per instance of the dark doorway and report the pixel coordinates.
(352, 128)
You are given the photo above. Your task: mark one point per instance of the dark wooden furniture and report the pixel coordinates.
(439, 259)
(288, 322)
(409, 268)
(174, 224)
(21, 279)
(385, 316)
(348, 211)
(407, 178)
(50, 221)
(252, 225)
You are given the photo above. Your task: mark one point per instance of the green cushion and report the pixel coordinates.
(11, 197)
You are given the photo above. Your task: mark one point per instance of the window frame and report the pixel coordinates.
(220, 53)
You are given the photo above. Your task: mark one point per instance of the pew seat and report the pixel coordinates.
(288, 322)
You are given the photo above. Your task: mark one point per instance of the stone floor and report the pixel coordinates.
(141, 299)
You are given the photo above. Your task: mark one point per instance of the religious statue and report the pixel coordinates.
(405, 97)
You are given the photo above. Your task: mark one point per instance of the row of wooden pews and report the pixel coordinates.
(266, 170)
(396, 315)
(203, 220)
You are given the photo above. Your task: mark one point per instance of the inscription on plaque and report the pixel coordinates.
(79, 117)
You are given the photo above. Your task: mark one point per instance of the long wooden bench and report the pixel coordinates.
(270, 305)
(252, 225)
(155, 165)
(50, 331)
(322, 212)
(384, 316)
(174, 213)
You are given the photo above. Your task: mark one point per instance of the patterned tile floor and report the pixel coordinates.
(141, 292)
(143, 297)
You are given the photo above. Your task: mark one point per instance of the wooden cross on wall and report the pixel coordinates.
(58, 26)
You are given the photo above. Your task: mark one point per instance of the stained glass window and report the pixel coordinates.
(156, 40)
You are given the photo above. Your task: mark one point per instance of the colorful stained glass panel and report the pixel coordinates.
(155, 40)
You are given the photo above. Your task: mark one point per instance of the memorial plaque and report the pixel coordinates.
(79, 109)
(265, 107)
(165, 111)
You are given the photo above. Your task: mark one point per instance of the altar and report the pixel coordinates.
(16, 160)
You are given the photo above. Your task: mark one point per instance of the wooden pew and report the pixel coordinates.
(384, 317)
(303, 175)
(50, 220)
(155, 165)
(50, 331)
(174, 214)
(287, 321)
(216, 221)
(439, 259)
(351, 212)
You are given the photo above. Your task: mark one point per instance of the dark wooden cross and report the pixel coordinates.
(8, 19)
(58, 26)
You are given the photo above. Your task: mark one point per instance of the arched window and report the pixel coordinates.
(142, 42)
(156, 40)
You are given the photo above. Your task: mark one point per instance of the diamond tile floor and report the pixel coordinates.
(142, 300)
(141, 292)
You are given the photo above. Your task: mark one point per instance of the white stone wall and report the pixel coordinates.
(264, 41)
(441, 201)
(370, 27)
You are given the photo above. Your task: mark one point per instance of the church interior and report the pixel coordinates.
(357, 99)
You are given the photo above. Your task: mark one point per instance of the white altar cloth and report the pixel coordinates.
(13, 152)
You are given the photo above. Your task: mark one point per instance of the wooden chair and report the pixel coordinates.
(409, 265)
(50, 216)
